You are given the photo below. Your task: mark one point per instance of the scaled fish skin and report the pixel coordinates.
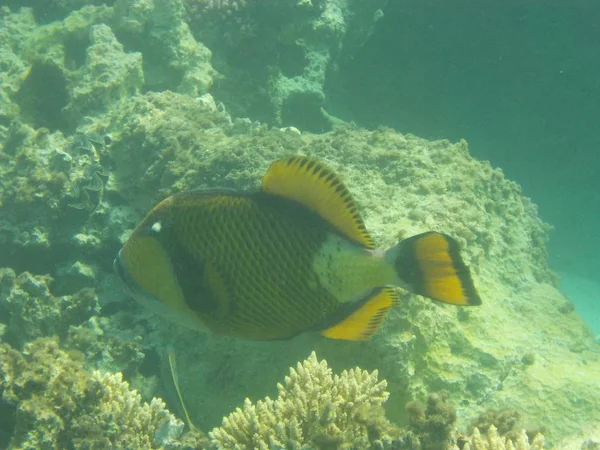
(293, 257)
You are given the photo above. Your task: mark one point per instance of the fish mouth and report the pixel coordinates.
(121, 271)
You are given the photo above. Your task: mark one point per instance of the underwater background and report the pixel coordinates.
(107, 107)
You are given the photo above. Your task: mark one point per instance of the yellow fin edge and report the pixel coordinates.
(365, 321)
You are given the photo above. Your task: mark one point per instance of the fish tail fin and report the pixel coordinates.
(361, 320)
(430, 264)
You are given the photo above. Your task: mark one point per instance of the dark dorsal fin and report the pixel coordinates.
(318, 188)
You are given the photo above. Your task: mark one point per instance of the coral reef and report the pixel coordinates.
(60, 71)
(86, 148)
(173, 59)
(492, 440)
(317, 410)
(49, 400)
(508, 423)
(34, 312)
(279, 56)
(313, 408)
(55, 403)
(404, 185)
(101, 82)
(165, 142)
(434, 424)
(55, 78)
(433, 427)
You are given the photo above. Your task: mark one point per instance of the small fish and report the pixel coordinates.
(292, 257)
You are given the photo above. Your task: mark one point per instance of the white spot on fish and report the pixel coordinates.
(156, 227)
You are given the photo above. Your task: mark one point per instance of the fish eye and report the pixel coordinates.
(156, 227)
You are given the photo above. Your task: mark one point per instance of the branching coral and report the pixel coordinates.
(433, 428)
(56, 403)
(313, 408)
(493, 441)
(129, 419)
(507, 422)
(49, 400)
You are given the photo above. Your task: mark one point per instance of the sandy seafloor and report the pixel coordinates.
(107, 108)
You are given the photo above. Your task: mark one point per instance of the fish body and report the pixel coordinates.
(292, 257)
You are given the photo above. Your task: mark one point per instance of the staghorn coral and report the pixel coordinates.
(507, 421)
(49, 400)
(146, 424)
(313, 408)
(434, 428)
(494, 441)
(55, 403)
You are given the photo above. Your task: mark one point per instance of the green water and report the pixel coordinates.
(517, 80)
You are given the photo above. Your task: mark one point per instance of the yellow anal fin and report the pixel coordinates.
(318, 188)
(364, 321)
(431, 264)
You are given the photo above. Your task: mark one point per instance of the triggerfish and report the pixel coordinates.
(291, 257)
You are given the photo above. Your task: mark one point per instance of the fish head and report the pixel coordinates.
(144, 265)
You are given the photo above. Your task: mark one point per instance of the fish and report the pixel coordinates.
(291, 257)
